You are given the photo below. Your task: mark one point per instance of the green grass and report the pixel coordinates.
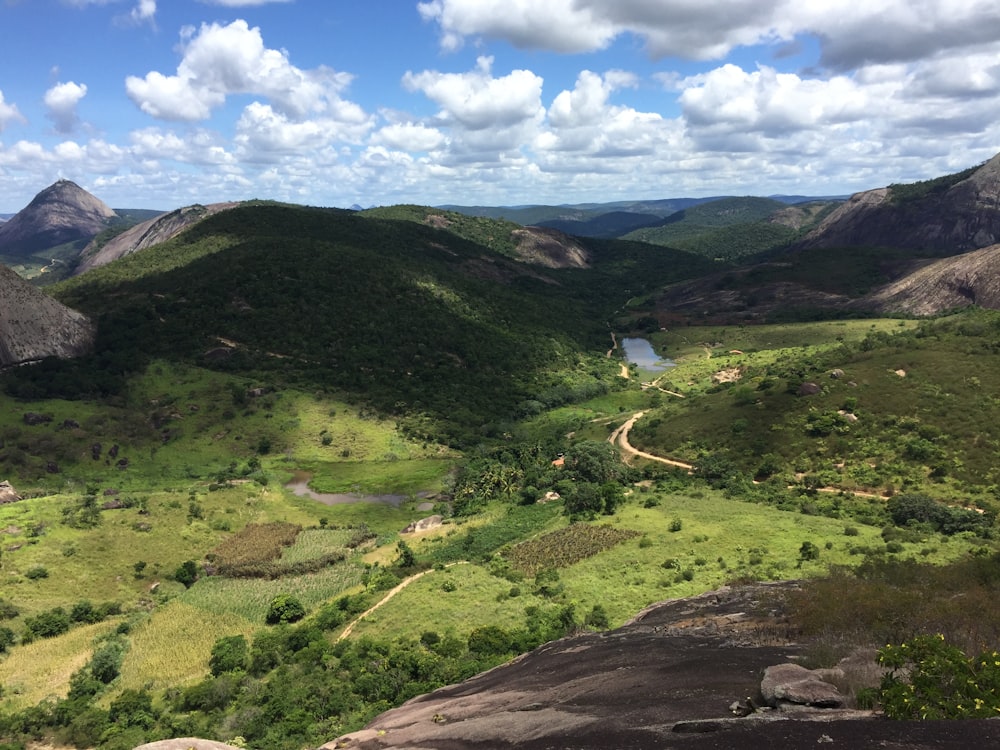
(630, 576)
(478, 599)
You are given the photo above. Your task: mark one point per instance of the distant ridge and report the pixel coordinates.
(61, 213)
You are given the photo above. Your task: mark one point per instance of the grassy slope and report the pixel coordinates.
(939, 415)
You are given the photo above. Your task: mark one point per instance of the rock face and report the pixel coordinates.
(963, 217)
(969, 279)
(667, 679)
(63, 212)
(34, 326)
(550, 248)
(146, 234)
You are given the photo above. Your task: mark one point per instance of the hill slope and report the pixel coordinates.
(948, 215)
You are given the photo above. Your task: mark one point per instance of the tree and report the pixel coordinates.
(229, 654)
(406, 557)
(187, 573)
(285, 608)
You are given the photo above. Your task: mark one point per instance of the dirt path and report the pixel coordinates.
(389, 594)
(620, 438)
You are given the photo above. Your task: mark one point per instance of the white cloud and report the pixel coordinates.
(144, 11)
(852, 34)
(553, 24)
(476, 100)
(61, 101)
(8, 113)
(219, 61)
(409, 136)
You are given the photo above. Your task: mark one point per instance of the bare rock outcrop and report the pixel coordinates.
(972, 278)
(34, 326)
(146, 234)
(550, 248)
(7, 493)
(947, 219)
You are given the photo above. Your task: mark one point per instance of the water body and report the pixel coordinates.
(640, 351)
(300, 487)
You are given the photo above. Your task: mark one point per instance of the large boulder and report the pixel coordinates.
(793, 683)
(7, 493)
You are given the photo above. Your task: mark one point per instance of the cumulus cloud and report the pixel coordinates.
(219, 61)
(409, 136)
(554, 24)
(851, 34)
(61, 101)
(476, 100)
(8, 113)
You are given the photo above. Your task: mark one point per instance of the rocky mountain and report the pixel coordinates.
(146, 234)
(944, 216)
(63, 212)
(34, 326)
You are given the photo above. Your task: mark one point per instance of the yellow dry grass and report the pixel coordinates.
(173, 646)
(40, 670)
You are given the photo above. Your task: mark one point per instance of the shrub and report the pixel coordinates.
(48, 624)
(930, 679)
(808, 551)
(37, 572)
(284, 608)
(676, 525)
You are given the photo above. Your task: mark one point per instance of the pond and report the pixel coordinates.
(640, 351)
(300, 487)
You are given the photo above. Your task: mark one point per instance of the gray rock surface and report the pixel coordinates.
(793, 683)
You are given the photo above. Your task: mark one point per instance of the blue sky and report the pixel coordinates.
(164, 103)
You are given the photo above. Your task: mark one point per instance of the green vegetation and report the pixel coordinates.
(915, 191)
(161, 579)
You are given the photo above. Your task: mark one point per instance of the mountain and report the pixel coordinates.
(34, 326)
(145, 234)
(62, 213)
(945, 216)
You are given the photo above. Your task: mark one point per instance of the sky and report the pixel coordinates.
(164, 103)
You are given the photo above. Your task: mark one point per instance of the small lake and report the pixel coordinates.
(300, 487)
(640, 351)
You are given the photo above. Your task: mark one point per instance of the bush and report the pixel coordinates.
(930, 679)
(284, 608)
(48, 624)
(37, 572)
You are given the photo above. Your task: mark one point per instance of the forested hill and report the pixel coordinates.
(415, 320)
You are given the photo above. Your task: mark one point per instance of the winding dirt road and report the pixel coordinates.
(620, 438)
